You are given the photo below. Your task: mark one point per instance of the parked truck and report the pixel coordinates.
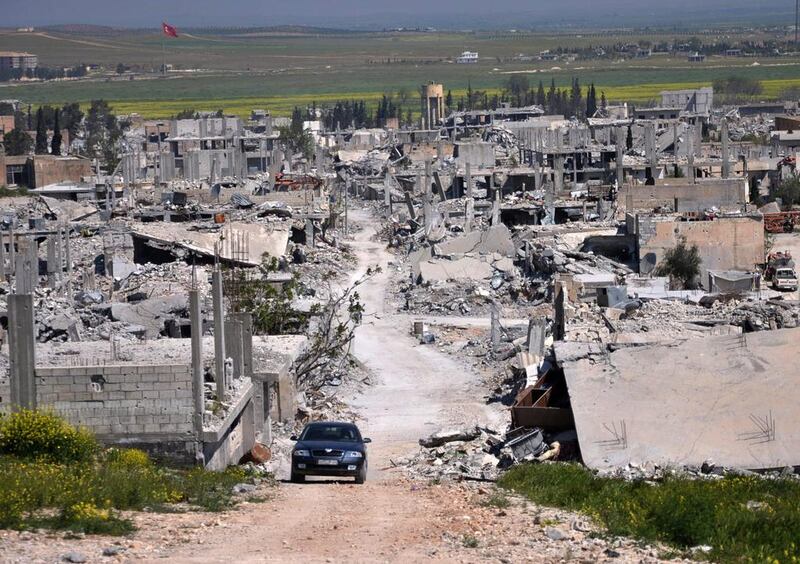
(780, 271)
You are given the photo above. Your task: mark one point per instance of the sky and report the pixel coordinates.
(378, 14)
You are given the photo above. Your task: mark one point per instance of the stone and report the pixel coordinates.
(243, 488)
(75, 557)
(554, 534)
(113, 550)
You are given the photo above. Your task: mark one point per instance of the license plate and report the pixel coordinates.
(327, 462)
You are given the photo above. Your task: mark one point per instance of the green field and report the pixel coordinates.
(278, 71)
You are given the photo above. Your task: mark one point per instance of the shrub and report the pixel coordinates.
(210, 490)
(682, 264)
(54, 475)
(88, 518)
(42, 435)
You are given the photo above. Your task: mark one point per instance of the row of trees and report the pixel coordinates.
(101, 128)
(43, 73)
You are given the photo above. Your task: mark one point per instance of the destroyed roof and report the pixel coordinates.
(730, 399)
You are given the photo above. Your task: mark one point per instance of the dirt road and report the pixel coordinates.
(416, 390)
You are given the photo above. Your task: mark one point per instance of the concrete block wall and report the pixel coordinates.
(121, 402)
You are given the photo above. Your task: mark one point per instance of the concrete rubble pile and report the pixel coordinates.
(479, 454)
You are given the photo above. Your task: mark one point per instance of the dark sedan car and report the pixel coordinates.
(327, 448)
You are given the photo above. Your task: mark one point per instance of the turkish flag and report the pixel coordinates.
(169, 30)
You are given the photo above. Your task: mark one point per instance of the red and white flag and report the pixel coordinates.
(169, 30)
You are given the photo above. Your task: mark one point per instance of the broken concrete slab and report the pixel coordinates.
(732, 399)
(467, 268)
(261, 239)
(496, 239)
(449, 436)
(151, 313)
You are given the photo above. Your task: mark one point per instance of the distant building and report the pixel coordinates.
(694, 101)
(6, 124)
(10, 60)
(696, 58)
(467, 57)
(35, 171)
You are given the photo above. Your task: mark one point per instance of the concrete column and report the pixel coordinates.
(246, 320)
(233, 346)
(726, 157)
(59, 255)
(387, 191)
(468, 180)
(309, 232)
(496, 209)
(558, 175)
(219, 334)
(469, 215)
(2, 257)
(198, 381)
(620, 142)
(559, 327)
(51, 261)
(21, 345)
(690, 152)
(68, 258)
(650, 148)
(26, 268)
(12, 252)
(495, 325)
(537, 331)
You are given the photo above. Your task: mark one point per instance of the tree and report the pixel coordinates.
(103, 132)
(603, 101)
(591, 102)
(518, 85)
(121, 68)
(332, 334)
(629, 139)
(41, 133)
(295, 137)
(17, 142)
(682, 264)
(55, 144)
(448, 100)
(541, 97)
(576, 98)
(71, 118)
(788, 191)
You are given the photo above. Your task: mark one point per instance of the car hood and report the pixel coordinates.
(314, 445)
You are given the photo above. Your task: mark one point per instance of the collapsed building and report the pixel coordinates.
(514, 214)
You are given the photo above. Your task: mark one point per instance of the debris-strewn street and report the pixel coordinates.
(528, 324)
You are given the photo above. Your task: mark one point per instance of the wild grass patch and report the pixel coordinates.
(741, 517)
(86, 487)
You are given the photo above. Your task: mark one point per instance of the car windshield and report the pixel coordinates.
(785, 274)
(337, 433)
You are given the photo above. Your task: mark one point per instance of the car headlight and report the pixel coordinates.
(301, 452)
(353, 454)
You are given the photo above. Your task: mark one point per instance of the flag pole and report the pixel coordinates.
(163, 55)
